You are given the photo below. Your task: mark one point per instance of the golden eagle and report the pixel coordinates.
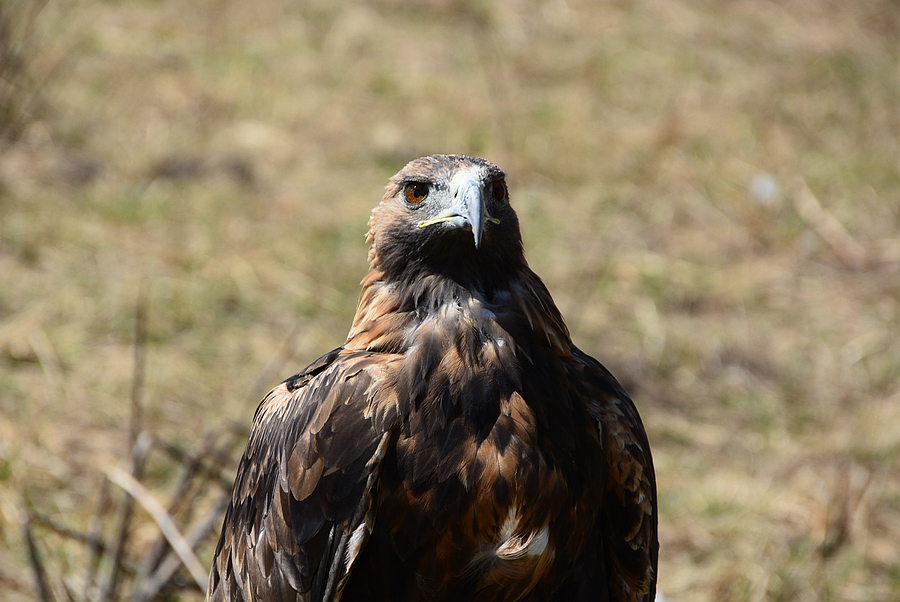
(457, 446)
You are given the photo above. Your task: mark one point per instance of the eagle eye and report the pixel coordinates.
(416, 192)
(498, 191)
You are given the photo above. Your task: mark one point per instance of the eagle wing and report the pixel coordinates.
(302, 507)
(628, 525)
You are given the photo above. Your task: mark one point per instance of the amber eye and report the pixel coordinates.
(498, 191)
(416, 192)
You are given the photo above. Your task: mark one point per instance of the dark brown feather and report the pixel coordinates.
(458, 446)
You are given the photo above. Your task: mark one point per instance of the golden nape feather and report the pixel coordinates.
(457, 446)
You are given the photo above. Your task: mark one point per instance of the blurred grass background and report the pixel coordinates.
(710, 189)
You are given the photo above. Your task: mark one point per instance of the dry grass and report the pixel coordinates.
(710, 189)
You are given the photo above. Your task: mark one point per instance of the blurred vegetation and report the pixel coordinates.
(711, 191)
(17, 84)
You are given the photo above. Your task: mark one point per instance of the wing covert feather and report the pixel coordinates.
(629, 521)
(302, 507)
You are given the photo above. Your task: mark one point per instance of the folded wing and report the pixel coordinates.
(303, 501)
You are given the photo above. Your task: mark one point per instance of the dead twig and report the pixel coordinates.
(159, 547)
(137, 380)
(163, 520)
(187, 480)
(95, 535)
(138, 455)
(66, 532)
(49, 362)
(42, 590)
(851, 484)
(140, 445)
(216, 455)
(271, 370)
(827, 226)
(148, 588)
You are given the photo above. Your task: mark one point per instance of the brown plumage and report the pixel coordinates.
(458, 446)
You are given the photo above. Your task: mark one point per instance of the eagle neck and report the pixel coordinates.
(395, 313)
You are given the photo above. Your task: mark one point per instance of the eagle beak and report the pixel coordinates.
(468, 210)
(469, 206)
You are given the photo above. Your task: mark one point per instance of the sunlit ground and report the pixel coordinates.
(711, 191)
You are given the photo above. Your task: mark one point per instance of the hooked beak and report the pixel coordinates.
(468, 210)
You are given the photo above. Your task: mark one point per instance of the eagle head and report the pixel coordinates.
(447, 214)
